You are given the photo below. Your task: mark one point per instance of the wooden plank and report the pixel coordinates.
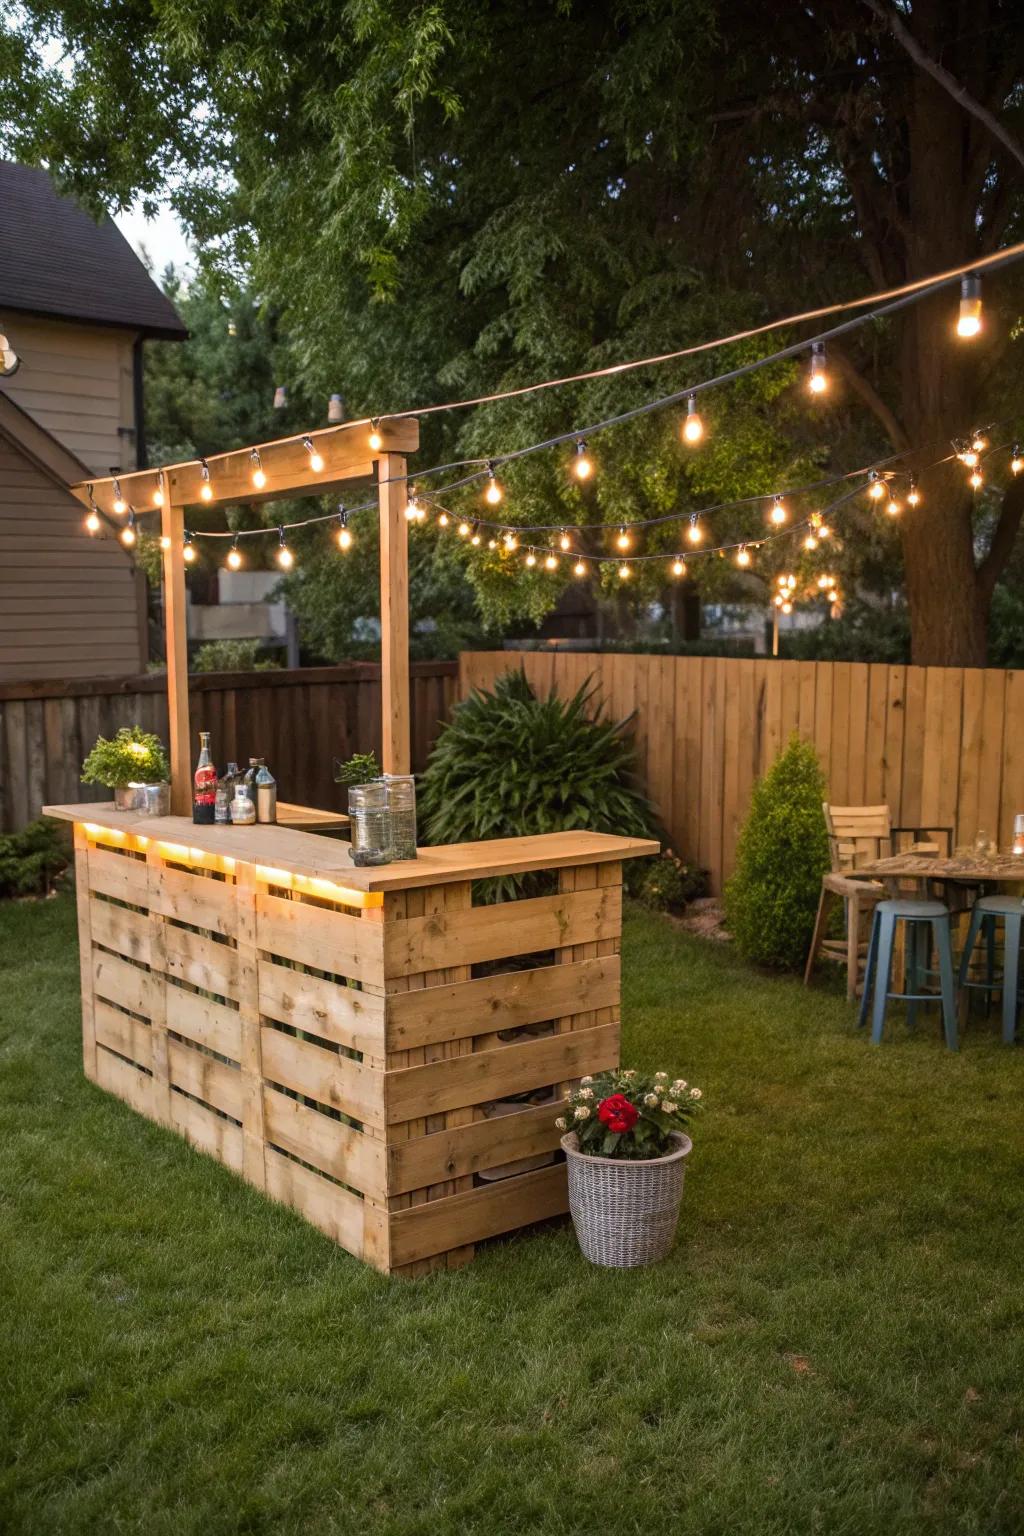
(85, 951)
(329, 940)
(121, 983)
(393, 493)
(172, 530)
(337, 1081)
(418, 1091)
(466, 1149)
(127, 1082)
(995, 719)
(508, 1001)
(334, 1210)
(344, 1015)
(200, 900)
(423, 1230)
(495, 932)
(1012, 790)
(205, 1078)
(120, 929)
(892, 774)
(121, 1033)
(251, 1056)
(204, 1022)
(208, 1132)
(118, 875)
(201, 961)
(335, 1148)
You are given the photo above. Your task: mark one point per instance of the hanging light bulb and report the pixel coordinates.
(259, 478)
(316, 462)
(492, 543)
(344, 531)
(412, 510)
(743, 556)
(817, 379)
(442, 521)
(695, 532)
(511, 542)
(979, 442)
(375, 440)
(475, 535)
(824, 532)
(165, 542)
(120, 505)
(624, 572)
(551, 562)
(188, 554)
(158, 492)
(693, 427)
(810, 542)
(969, 457)
(205, 489)
(623, 540)
(893, 507)
(285, 558)
(463, 530)
(791, 582)
(1016, 460)
(913, 494)
(969, 319)
(876, 486)
(92, 522)
(678, 566)
(976, 480)
(128, 534)
(787, 606)
(234, 560)
(582, 466)
(778, 513)
(280, 397)
(564, 541)
(778, 600)
(335, 410)
(493, 493)
(579, 569)
(531, 558)
(824, 581)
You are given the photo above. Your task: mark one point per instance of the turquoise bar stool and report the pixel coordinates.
(986, 913)
(926, 920)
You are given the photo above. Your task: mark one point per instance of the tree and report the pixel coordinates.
(454, 198)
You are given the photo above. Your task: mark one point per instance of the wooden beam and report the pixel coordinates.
(172, 528)
(393, 493)
(287, 464)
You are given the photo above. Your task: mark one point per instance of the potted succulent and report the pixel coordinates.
(625, 1145)
(134, 765)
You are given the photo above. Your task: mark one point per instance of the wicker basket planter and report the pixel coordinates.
(625, 1212)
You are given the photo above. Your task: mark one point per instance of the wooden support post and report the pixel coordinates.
(253, 1138)
(172, 527)
(393, 493)
(85, 950)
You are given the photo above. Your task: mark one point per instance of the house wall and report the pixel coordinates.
(69, 604)
(76, 381)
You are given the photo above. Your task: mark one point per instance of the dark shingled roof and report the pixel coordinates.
(56, 260)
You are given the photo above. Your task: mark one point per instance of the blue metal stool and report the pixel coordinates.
(925, 919)
(986, 912)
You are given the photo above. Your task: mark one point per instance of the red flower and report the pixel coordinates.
(617, 1113)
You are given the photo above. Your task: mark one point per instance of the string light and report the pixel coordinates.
(412, 510)
(475, 535)
(624, 572)
(234, 560)
(165, 542)
(893, 507)
(492, 543)
(158, 492)
(259, 478)
(188, 554)
(913, 495)
(876, 486)
(564, 541)
(1016, 461)
(531, 558)
(693, 427)
(463, 530)
(344, 531)
(678, 566)
(695, 532)
(743, 556)
(976, 480)
(285, 558)
(623, 540)
(316, 462)
(979, 442)
(493, 493)
(582, 466)
(968, 322)
(579, 569)
(92, 522)
(817, 379)
(511, 542)
(968, 456)
(810, 542)
(778, 513)
(205, 489)
(442, 521)
(128, 534)
(551, 562)
(824, 581)
(824, 532)
(375, 440)
(120, 505)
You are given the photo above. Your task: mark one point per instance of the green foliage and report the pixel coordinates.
(509, 764)
(667, 881)
(782, 853)
(134, 756)
(32, 860)
(360, 768)
(629, 1114)
(864, 632)
(232, 656)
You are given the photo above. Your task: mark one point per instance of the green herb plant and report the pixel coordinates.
(360, 768)
(134, 756)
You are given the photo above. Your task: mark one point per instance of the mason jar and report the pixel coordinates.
(401, 800)
(370, 824)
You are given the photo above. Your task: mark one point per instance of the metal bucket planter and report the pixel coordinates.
(144, 799)
(625, 1212)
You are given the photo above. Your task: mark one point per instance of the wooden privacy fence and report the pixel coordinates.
(941, 745)
(300, 721)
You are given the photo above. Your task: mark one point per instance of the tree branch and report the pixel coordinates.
(1003, 538)
(950, 83)
(893, 427)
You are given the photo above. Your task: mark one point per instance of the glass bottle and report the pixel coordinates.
(243, 811)
(370, 823)
(266, 794)
(250, 776)
(204, 795)
(225, 793)
(1018, 834)
(401, 802)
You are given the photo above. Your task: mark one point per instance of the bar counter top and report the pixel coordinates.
(322, 858)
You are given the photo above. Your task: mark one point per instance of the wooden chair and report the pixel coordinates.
(857, 835)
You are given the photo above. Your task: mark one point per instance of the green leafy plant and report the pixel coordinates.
(232, 656)
(629, 1114)
(134, 756)
(32, 860)
(782, 853)
(360, 768)
(668, 882)
(509, 764)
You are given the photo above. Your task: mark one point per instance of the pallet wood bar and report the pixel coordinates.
(377, 1048)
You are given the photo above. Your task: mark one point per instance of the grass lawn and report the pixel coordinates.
(836, 1344)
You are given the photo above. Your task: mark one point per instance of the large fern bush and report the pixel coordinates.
(782, 853)
(509, 764)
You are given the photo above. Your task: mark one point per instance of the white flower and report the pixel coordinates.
(582, 1111)
(695, 1093)
(561, 1123)
(661, 1074)
(651, 1100)
(586, 1093)
(679, 1085)
(586, 1079)
(630, 1073)
(669, 1107)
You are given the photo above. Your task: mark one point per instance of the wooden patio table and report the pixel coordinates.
(965, 869)
(375, 1047)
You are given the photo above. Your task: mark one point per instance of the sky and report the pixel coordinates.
(163, 238)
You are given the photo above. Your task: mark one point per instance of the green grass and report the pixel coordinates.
(834, 1346)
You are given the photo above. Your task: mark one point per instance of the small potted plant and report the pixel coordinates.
(625, 1146)
(134, 765)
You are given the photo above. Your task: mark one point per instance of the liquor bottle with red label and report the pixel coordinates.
(204, 796)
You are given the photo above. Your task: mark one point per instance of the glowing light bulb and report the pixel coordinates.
(810, 543)
(493, 493)
(893, 507)
(832, 597)
(551, 562)
(234, 560)
(259, 478)
(913, 495)
(442, 521)
(412, 510)
(165, 542)
(743, 556)
(876, 486)
(678, 566)
(778, 600)
(316, 462)
(823, 582)
(695, 532)
(787, 606)
(531, 558)
(817, 379)
(968, 322)
(205, 489)
(511, 542)
(285, 558)
(128, 535)
(92, 523)
(778, 513)
(623, 540)
(475, 538)
(693, 427)
(791, 582)
(579, 569)
(564, 541)
(969, 457)
(1017, 460)
(979, 442)
(492, 543)
(624, 572)
(582, 466)
(375, 440)
(120, 505)
(158, 493)
(188, 554)
(976, 480)
(344, 531)
(463, 530)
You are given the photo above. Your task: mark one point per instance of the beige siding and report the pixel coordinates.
(76, 381)
(68, 603)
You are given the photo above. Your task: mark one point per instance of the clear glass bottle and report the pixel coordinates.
(265, 786)
(249, 777)
(370, 824)
(204, 793)
(401, 802)
(225, 794)
(243, 810)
